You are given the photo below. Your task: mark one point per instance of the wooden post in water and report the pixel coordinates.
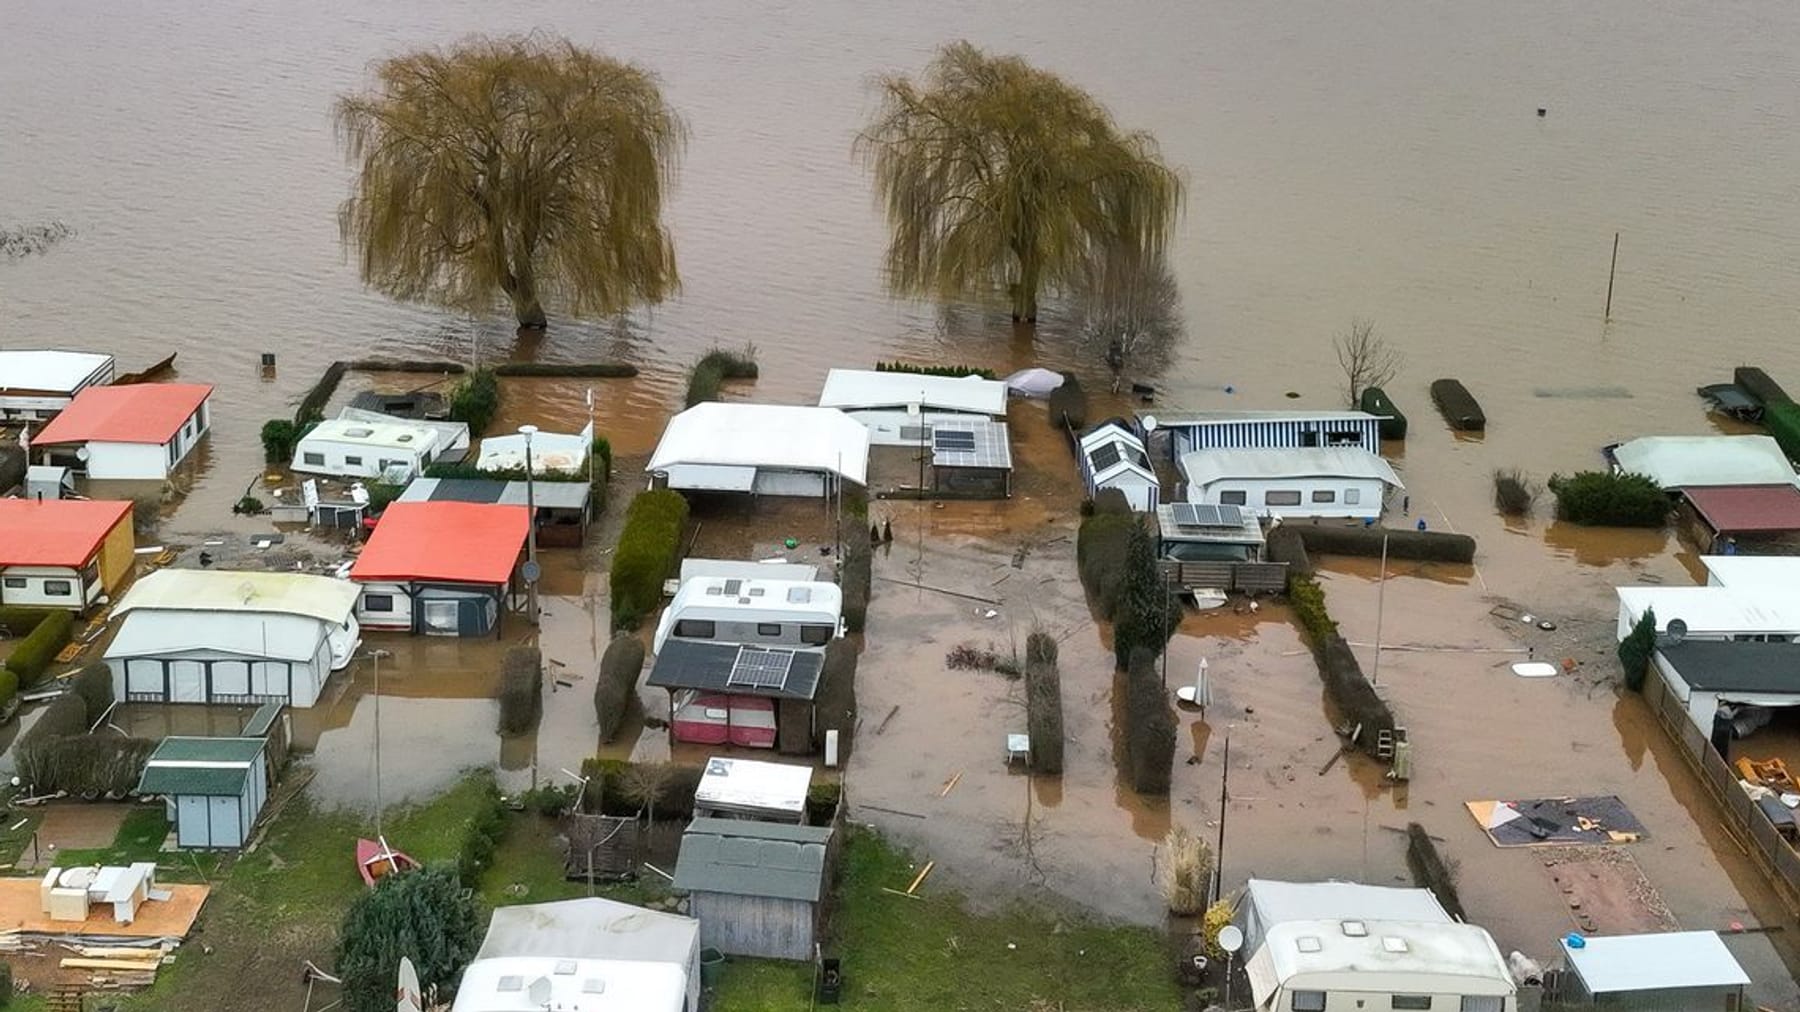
(1614, 270)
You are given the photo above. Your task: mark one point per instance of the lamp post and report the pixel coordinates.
(531, 562)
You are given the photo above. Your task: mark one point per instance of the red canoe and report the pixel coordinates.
(376, 860)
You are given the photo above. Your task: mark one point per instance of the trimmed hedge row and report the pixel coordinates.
(1430, 870)
(35, 653)
(857, 580)
(648, 549)
(1069, 404)
(595, 370)
(1782, 419)
(312, 406)
(714, 368)
(18, 622)
(1346, 686)
(1425, 546)
(1043, 703)
(834, 707)
(1458, 406)
(1150, 727)
(1609, 499)
(1102, 545)
(953, 371)
(674, 800)
(1376, 402)
(1757, 384)
(616, 687)
(521, 689)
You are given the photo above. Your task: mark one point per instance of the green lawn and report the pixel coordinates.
(903, 954)
(528, 868)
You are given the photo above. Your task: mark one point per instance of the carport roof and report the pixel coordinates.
(1735, 666)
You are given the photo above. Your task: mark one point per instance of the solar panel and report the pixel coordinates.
(950, 439)
(1104, 456)
(973, 443)
(1195, 514)
(760, 668)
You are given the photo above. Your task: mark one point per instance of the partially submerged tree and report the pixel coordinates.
(522, 167)
(643, 783)
(1001, 177)
(1129, 306)
(1366, 359)
(19, 241)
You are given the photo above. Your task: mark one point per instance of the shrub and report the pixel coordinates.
(857, 577)
(146, 514)
(1186, 871)
(822, 801)
(616, 687)
(248, 506)
(1043, 703)
(1147, 613)
(428, 916)
(1782, 419)
(1431, 870)
(1285, 545)
(1376, 402)
(1349, 689)
(94, 686)
(1609, 499)
(835, 703)
(1636, 649)
(1513, 492)
(1458, 406)
(35, 653)
(550, 800)
(486, 829)
(1101, 546)
(1757, 384)
(1150, 726)
(279, 436)
(603, 458)
(475, 401)
(674, 794)
(1307, 599)
(955, 371)
(18, 622)
(714, 368)
(9, 688)
(1427, 546)
(1069, 404)
(648, 549)
(521, 689)
(1111, 502)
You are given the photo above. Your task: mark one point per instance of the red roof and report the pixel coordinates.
(1732, 509)
(137, 413)
(456, 542)
(55, 532)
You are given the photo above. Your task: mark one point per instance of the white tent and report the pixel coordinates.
(550, 451)
(1699, 461)
(1033, 382)
(773, 449)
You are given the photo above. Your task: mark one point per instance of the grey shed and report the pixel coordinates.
(757, 888)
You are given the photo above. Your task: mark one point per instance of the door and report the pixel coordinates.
(144, 678)
(187, 682)
(442, 617)
(190, 821)
(224, 822)
(231, 678)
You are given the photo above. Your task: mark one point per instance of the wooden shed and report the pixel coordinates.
(757, 888)
(215, 788)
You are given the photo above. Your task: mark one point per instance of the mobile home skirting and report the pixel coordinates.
(1256, 434)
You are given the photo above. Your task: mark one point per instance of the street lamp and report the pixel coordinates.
(531, 562)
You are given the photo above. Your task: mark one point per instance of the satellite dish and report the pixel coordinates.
(81, 453)
(1149, 423)
(1676, 630)
(1231, 939)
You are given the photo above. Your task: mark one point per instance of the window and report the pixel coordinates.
(1324, 495)
(314, 459)
(378, 602)
(1308, 1001)
(1483, 1003)
(1344, 437)
(1411, 1001)
(693, 628)
(1280, 497)
(1237, 498)
(1352, 496)
(386, 464)
(59, 588)
(15, 583)
(815, 635)
(768, 628)
(1309, 438)
(352, 461)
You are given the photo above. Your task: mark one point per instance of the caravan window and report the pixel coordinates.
(59, 588)
(1308, 1001)
(815, 635)
(378, 602)
(15, 583)
(1491, 1003)
(1411, 1001)
(1352, 496)
(1279, 497)
(697, 629)
(315, 459)
(768, 628)
(1324, 495)
(1237, 498)
(352, 461)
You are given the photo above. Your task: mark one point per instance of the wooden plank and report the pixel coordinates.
(127, 965)
(921, 877)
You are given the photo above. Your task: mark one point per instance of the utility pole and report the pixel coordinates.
(532, 571)
(1380, 609)
(1609, 277)
(1224, 798)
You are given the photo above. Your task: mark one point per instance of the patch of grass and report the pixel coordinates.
(140, 838)
(904, 955)
(528, 868)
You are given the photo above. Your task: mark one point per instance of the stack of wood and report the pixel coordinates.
(116, 968)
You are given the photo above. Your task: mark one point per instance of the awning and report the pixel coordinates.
(711, 477)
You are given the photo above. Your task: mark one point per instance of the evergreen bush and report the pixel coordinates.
(9, 687)
(279, 435)
(1043, 703)
(1376, 402)
(834, 706)
(1759, 385)
(714, 368)
(1782, 419)
(649, 547)
(616, 687)
(1147, 613)
(428, 916)
(858, 577)
(1101, 546)
(37, 651)
(1069, 404)
(1609, 499)
(1636, 649)
(1307, 599)
(521, 689)
(953, 371)
(476, 400)
(1151, 726)
(1458, 406)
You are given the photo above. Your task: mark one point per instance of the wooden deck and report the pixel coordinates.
(171, 918)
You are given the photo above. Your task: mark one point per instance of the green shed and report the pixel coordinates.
(215, 788)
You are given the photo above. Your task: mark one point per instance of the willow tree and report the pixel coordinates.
(1000, 177)
(521, 167)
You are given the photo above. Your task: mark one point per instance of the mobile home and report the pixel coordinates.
(63, 553)
(1344, 481)
(34, 385)
(352, 448)
(901, 409)
(138, 432)
(440, 568)
(768, 613)
(763, 449)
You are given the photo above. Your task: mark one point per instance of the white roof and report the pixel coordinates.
(1111, 432)
(1128, 457)
(321, 597)
(765, 435)
(1372, 954)
(531, 984)
(1190, 419)
(398, 434)
(743, 569)
(1677, 959)
(550, 451)
(732, 593)
(1272, 902)
(1204, 467)
(276, 637)
(448, 433)
(1678, 461)
(854, 389)
(1753, 570)
(63, 371)
(1717, 609)
(748, 783)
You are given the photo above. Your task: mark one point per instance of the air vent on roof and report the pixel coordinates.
(1356, 929)
(1393, 944)
(359, 433)
(1308, 943)
(510, 982)
(715, 591)
(565, 967)
(404, 437)
(733, 587)
(755, 592)
(799, 595)
(593, 985)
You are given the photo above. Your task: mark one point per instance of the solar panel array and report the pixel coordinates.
(978, 445)
(1194, 514)
(760, 668)
(1107, 454)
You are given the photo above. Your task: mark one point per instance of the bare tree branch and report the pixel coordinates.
(1366, 359)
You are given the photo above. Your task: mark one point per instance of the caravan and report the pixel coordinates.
(768, 613)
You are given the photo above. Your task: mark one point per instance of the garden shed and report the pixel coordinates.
(1677, 971)
(440, 568)
(1112, 456)
(215, 788)
(63, 553)
(142, 431)
(757, 888)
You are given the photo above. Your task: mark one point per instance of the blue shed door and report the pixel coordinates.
(190, 822)
(224, 822)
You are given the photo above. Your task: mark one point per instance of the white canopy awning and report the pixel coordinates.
(776, 436)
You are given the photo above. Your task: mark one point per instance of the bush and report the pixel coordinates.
(857, 577)
(1458, 406)
(1349, 689)
(1043, 703)
(673, 798)
(58, 753)
(834, 706)
(1782, 419)
(1150, 726)
(1069, 404)
(94, 686)
(1609, 499)
(429, 916)
(9, 688)
(475, 401)
(1101, 546)
(248, 506)
(649, 547)
(1376, 402)
(521, 689)
(1636, 649)
(17, 623)
(714, 368)
(35, 653)
(1431, 870)
(1147, 613)
(279, 436)
(1285, 545)
(1186, 871)
(1111, 502)
(1307, 599)
(1513, 492)
(485, 832)
(953, 371)
(1757, 384)
(1425, 546)
(616, 687)
(603, 458)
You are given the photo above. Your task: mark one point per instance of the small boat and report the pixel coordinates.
(375, 860)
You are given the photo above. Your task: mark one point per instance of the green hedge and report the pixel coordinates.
(674, 802)
(649, 547)
(17, 623)
(486, 830)
(1609, 499)
(953, 371)
(714, 368)
(9, 687)
(1043, 703)
(1782, 419)
(616, 687)
(858, 577)
(93, 685)
(35, 653)
(834, 706)
(58, 753)
(591, 370)
(521, 689)
(1069, 404)
(1425, 546)
(1636, 649)
(1759, 385)
(1307, 599)
(1458, 406)
(1150, 726)
(1376, 402)
(312, 406)
(1101, 547)
(476, 400)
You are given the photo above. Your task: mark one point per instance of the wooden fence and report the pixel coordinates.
(1244, 577)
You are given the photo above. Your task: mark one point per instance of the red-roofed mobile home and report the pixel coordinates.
(63, 553)
(137, 431)
(439, 568)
